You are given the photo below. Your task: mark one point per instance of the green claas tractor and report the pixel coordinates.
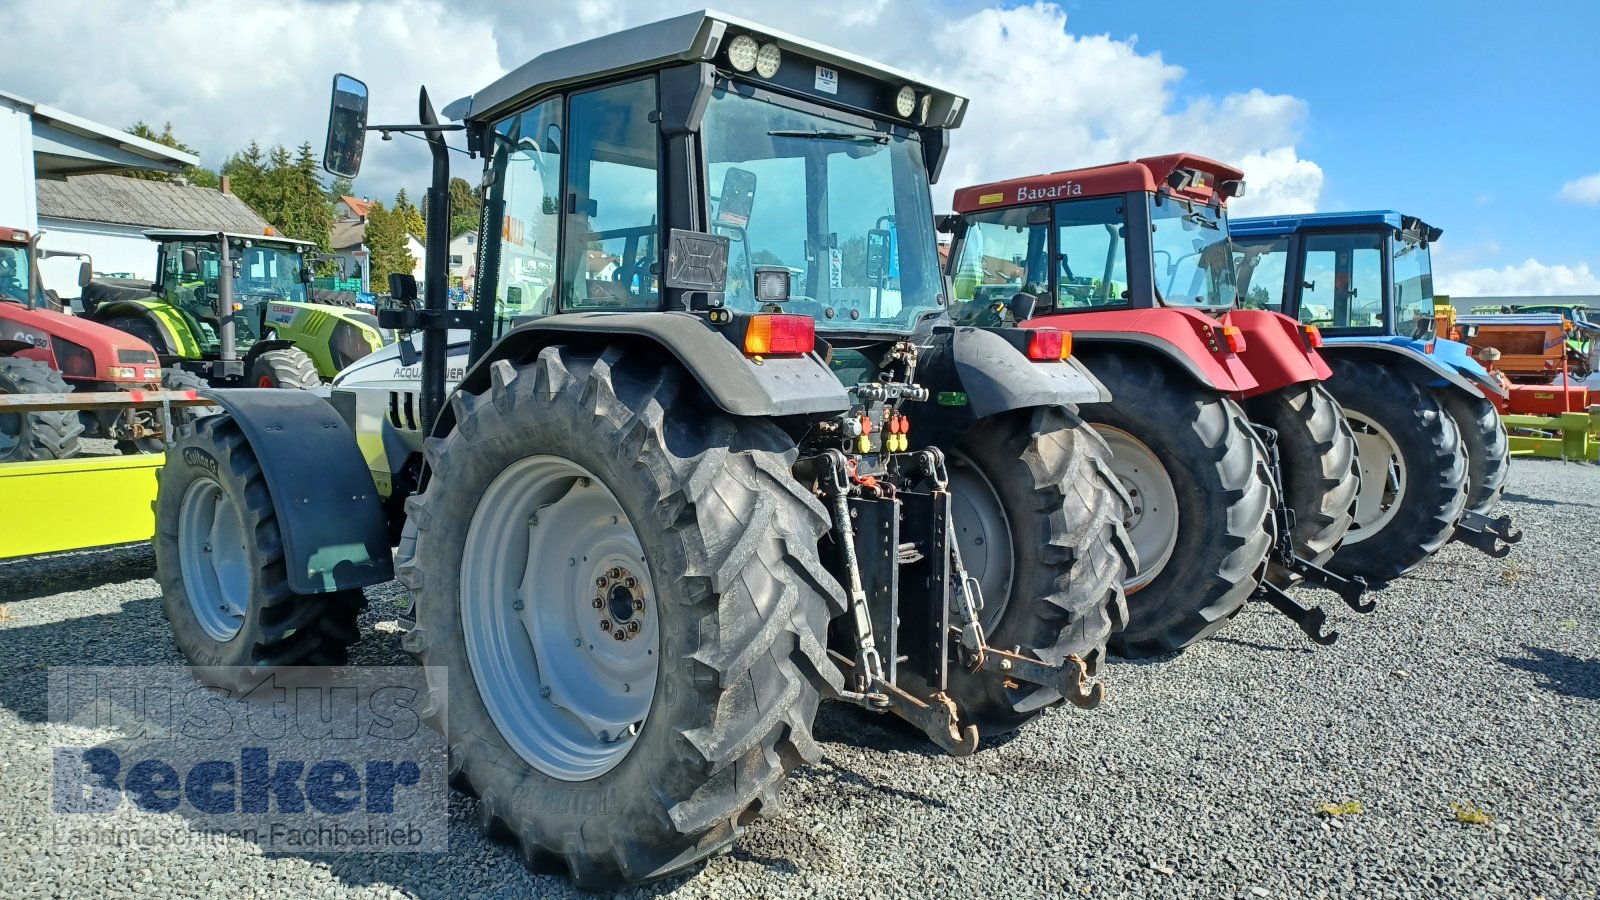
(738, 460)
(255, 327)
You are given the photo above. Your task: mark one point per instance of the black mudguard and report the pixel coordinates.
(777, 387)
(1420, 368)
(973, 374)
(335, 535)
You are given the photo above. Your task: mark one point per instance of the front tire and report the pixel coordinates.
(1413, 472)
(734, 608)
(289, 368)
(1201, 498)
(1488, 446)
(1038, 517)
(219, 560)
(36, 435)
(1317, 462)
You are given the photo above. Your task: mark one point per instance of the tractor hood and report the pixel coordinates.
(108, 346)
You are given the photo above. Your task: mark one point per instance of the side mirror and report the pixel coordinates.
(738, 197)
(877, 254)
(403, 287)
(307, 277)
(85, 273)
(347, 127)
(1022, 306)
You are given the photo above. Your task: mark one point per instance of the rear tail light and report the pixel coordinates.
(1234, 337)
(1428, 348)
(1049, 344)
(1313, 336)
(779, 334)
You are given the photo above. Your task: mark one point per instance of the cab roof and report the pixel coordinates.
(695, 37)
(1270, 226)
(1146, 174)
(181, 234)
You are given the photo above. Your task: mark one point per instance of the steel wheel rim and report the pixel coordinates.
(983, 534)
(215, 559)
(1384, 478)
(567, 694)
(1152, 517)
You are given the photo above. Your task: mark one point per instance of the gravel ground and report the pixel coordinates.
(1477, 682)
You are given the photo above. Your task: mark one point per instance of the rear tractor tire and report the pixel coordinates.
(623, 586)
(1317, 463)
(1201, 501)
(1413, 472)
(1039, 521)
(1488, 446)
(289, 368)
(36, 435)
(219, 560)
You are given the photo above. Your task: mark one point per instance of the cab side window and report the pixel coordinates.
(528, 155)
(1261, 272)
(1092, 253)
(612, 229)
(1342, 283)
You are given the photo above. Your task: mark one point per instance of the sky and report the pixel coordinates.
(1475, 116)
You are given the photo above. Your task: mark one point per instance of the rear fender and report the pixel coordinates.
(178, 339)
(335, 535)
(1188, 338)
(973, 373)
(780, 386)
(1420, 367)
(1275, 351)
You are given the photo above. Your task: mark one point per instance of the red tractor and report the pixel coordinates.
(1239, 465)
(47, 350)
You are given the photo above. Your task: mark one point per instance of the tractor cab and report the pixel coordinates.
(264, 270)
(1134, 235)
(1362, 274)
(16, 266)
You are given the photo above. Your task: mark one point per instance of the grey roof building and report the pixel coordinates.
(114, 200)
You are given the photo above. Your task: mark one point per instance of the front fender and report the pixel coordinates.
(1421, 367)
(178, 337)
(779, 386)
(1275, 350)
(1188, 338)
(330, 516)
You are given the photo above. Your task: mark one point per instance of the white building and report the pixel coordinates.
(41, 144)
(348, 242)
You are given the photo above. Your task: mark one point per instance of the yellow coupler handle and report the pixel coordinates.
(74, 504)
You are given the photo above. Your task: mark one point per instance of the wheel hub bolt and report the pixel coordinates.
(615, 572)
(633, 628)
(598, 603)
(601, 581)
(638, 604)
(605, 624)
(630, 582)
(516, 605)
(544, 691)
(619, 634)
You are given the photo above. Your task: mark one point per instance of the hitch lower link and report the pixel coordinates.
(1311, 619)
(871, 685)
(1493, 537)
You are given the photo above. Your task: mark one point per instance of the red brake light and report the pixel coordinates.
(774, 334)
(1234, 337)
(1313, 336)
(1049, 344)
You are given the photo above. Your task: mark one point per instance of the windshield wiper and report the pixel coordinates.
(1201, 220)
(833, 136)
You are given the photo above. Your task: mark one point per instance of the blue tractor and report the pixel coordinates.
(1434, 453)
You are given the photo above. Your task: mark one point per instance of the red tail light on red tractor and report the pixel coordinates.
(1313, 336)
(780, 334)
(1049, 344)
(1234, 337)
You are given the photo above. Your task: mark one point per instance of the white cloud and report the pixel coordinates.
(1585, 190)
(1529, 279)
(1043, 99)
